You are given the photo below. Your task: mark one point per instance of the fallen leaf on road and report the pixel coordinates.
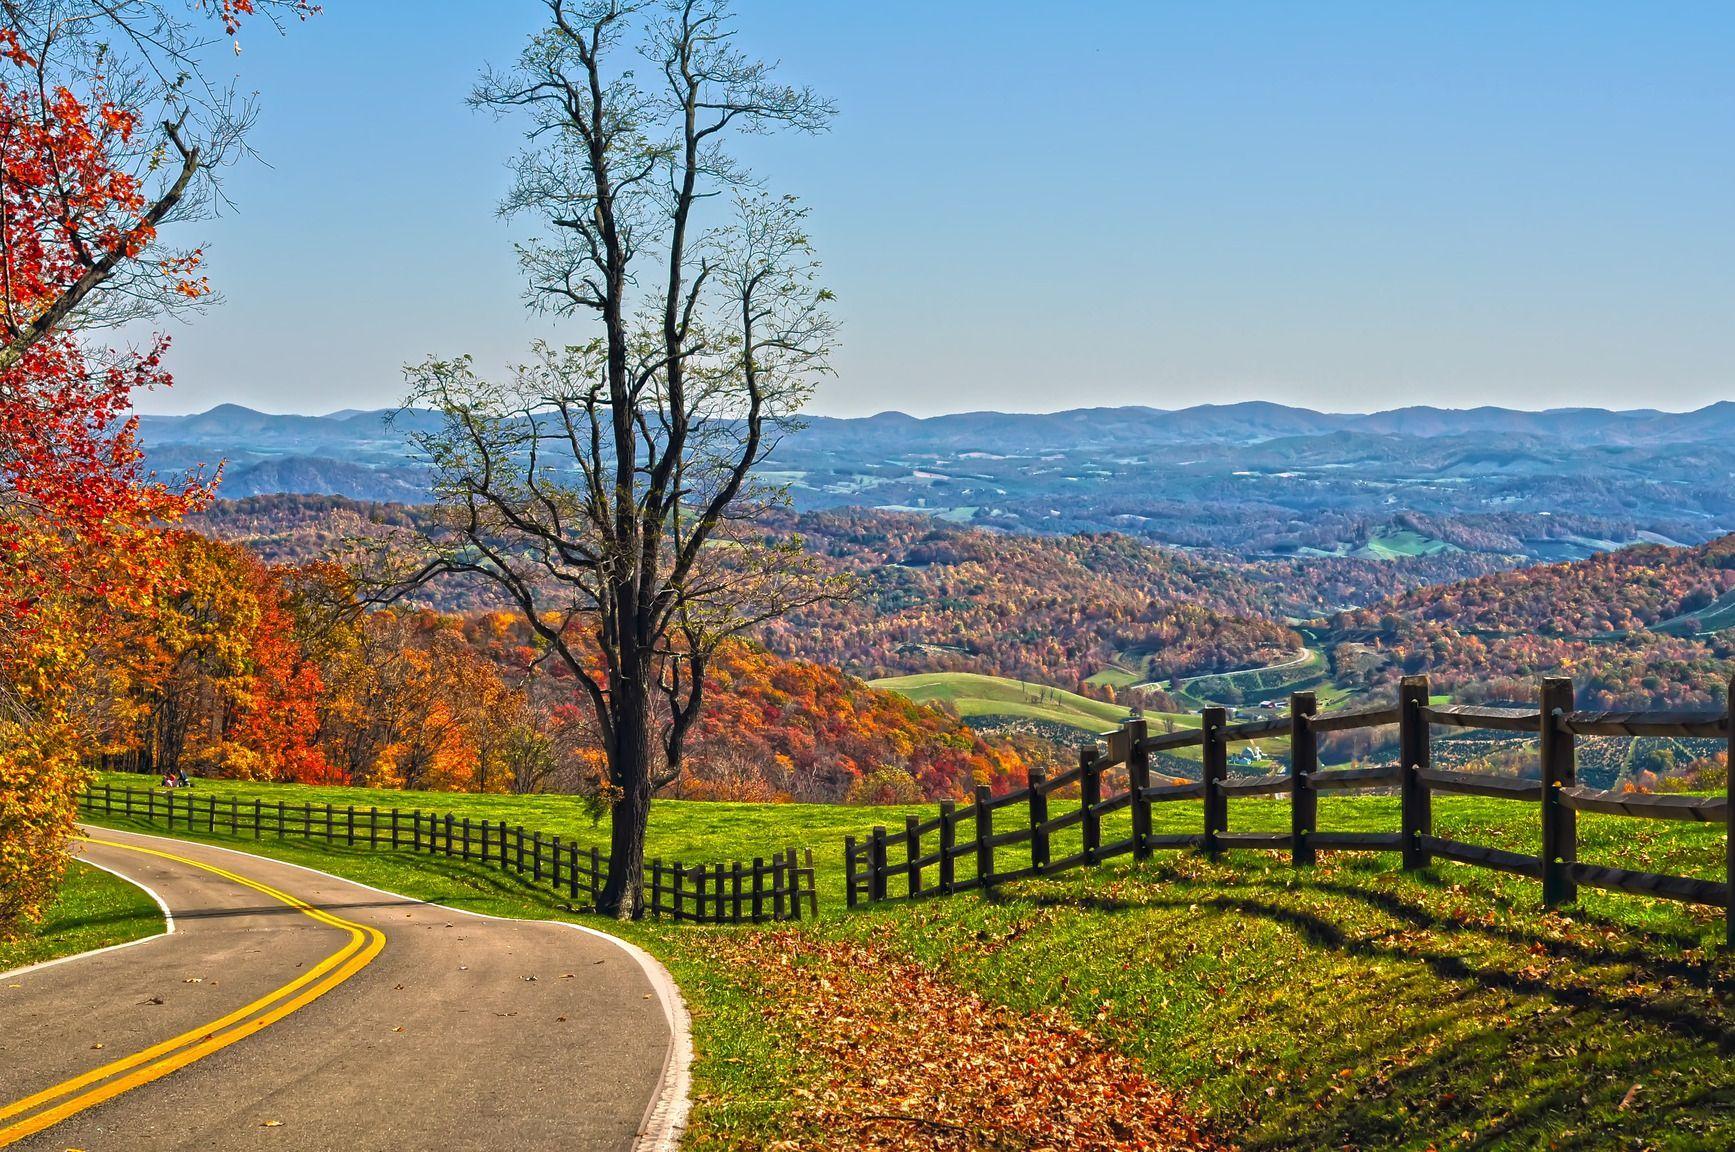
(270, 1123)
(96, 1045)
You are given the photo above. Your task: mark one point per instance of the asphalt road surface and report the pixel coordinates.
(292, 1010)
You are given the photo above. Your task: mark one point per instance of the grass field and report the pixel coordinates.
(1347, 1005)
(1397, 545)
(95, 910)
(972, 694)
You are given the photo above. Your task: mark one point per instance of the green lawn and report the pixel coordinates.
(1347, 1005)
(94, 910)
(974, 694)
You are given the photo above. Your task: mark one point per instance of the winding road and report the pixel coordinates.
(289, 1009)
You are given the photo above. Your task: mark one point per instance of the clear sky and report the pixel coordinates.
(1031, 206)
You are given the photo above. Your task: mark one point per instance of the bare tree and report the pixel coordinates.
(609, 486)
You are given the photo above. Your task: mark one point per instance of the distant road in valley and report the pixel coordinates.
(292, 1010)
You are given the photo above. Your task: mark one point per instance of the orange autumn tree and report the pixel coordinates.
(108, 129)
(210, 675)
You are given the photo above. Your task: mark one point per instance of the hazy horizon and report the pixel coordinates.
(351, 410)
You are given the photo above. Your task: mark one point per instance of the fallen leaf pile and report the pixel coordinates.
(901, 1059)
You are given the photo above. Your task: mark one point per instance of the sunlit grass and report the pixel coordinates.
(93, 910)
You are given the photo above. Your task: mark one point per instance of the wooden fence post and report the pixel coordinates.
(1416, 807)
(1214, 762)
(1559, 769)
(536, 857)
(1089, 796)
(912, 853)
(849, 876)
(948, 843)
(1303, 763)
(877, 865)
(1138, 779)
(1035, 780)
(984, 838)
(794, 885)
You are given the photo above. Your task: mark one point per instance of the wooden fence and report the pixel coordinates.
(715, 893)
(928, 851)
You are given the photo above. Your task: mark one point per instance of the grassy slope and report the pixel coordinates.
(95, 910)
(973, 694)
(1348, 1004)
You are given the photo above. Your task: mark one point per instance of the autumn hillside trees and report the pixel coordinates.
(232, 667)
(108, 130)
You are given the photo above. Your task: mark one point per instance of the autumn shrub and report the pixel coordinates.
(40, 779)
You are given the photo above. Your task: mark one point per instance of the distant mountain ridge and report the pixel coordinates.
(1258, 478)
(1245, 422)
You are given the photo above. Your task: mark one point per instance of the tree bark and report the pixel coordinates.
(631, 763)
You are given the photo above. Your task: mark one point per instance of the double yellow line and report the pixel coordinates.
(39, 1110)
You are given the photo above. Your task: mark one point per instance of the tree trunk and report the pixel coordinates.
(631, 771)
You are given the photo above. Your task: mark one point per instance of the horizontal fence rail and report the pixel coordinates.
(760, 891)
(998, 839)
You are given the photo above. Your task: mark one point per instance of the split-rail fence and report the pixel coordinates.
(924, 855)
(736, 892)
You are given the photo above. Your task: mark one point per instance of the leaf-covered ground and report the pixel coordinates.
(894, 1056)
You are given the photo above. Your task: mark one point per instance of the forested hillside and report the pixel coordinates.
(1645, 625)
(934, 596)
(243, 669)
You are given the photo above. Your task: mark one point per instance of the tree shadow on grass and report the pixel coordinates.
(1322, 932)
(1554, 1066)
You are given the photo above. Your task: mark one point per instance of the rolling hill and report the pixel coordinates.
(1258, 479)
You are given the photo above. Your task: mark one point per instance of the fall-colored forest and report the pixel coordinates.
(1633, 628)
(234, 667)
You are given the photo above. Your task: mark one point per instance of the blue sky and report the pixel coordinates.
(1034, 206)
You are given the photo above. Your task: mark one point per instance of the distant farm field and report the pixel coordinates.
(972, 694)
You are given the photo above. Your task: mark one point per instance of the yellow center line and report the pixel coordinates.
(160, 1059)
